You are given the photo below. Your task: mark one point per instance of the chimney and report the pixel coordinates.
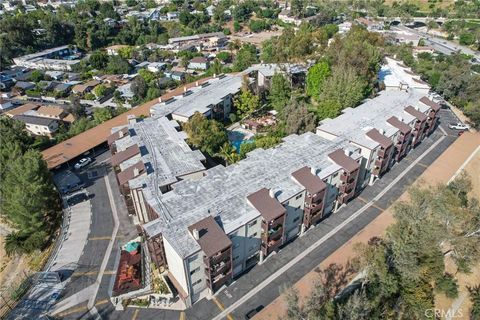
(197, 84)
(347, 152)
(382, 131)
(159, 99)
(271, 193)
(120, 134)
(135, 172)
(313, 171)
(131, 119)
(214, 75)
(195, 234)
(184, 88)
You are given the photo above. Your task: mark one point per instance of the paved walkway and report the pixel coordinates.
(440, 171)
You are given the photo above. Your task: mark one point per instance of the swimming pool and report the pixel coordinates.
(237, 138)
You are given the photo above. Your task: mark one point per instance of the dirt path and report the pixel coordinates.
(439, 172)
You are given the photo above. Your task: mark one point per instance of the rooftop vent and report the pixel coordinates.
(195, 234)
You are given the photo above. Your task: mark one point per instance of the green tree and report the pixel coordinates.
(100, 90)
(467, 38)
(29, 200)
(343, 89)
(246, 148)
(315, 77)
(246, 56)
(280, 92)
(298, 119)
(36, 76)
(224, 56)
(207, 135)
(98, 60)
(228, 153)
(246, 103)
(101, 115)
(448, 285)
(153, 93)
(139, 87)
(118, 65)
(475, 299)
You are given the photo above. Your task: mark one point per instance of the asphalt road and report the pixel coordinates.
(208, 309)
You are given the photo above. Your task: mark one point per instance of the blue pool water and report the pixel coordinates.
(237, 143)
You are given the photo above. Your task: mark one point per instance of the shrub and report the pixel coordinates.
(447, 284)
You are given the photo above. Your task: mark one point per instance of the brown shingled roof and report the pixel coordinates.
(129, 173)
(311, 182)
(126, 154)
(22, 109)
(83, 142)
(116, 135)
(344, 161)
(376, 136)
(400, 125)
(417, 114)
(212, 238)
(50, 111)
(435, 106)
(268, 207)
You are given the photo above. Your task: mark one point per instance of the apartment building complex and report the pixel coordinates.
(385, 128)
(61, 58)
(213, 98)
(207, 227)
(212, 229)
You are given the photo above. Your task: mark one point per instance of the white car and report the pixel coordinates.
(458, 126)
(82, 163)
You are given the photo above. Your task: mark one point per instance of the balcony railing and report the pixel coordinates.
(275, 233)
(221, 268)
(376, 171)
(212, 261)
(381, 152)
(379, 162)
(347, 187)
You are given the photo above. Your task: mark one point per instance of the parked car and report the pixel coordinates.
(71, 188)
(458, 126)
(250, 314)
(82, 163)
(77, 198)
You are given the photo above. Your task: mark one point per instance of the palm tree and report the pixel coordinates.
(14, 243)
(228, 153)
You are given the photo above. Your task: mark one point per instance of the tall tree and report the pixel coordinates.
(343, 89)
(280, 92)
(207, 135)
(316, 76)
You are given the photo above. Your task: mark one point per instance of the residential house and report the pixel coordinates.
(85, 87)
(198, 63)
(38, 126)
(21, 87)
(115, 49)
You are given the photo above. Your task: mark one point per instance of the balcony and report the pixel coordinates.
(224, 267)
(379, 162)
(212, 261)
(347, 178)
(381, 152)
(275, 223)
(418, 125)
(376, 171)
(347, 187)
(275, 233)
(219, 281)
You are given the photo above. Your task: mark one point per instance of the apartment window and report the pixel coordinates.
(236, 245)
(335, 174)
(251, 224)
(196, 282)
(298, 197)
(236, 258)
(251, 248)
(194, 270)
(296, 219)
(253, 235)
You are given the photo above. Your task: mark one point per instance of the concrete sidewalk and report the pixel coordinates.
(441, 171)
